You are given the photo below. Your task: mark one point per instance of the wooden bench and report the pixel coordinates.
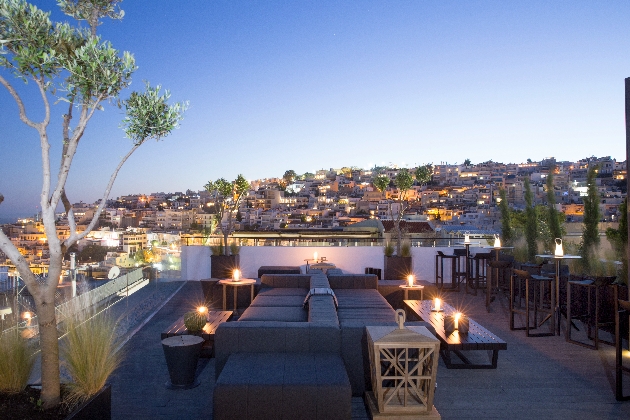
(215, 318)
(477, 338)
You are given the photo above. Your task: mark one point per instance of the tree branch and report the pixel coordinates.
(20, 104)
(76, 237)
(20, 263)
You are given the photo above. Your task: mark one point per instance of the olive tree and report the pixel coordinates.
(58, 58)
(403, 182)
(227, 196)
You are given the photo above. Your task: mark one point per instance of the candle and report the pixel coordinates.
(559, 252)
(466, 238)
(410, 280)
(457, 316)
(202, 309)
(436, 304)
(315, 256)
(497, 241)
(236, 276)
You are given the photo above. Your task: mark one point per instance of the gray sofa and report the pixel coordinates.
(322, 347)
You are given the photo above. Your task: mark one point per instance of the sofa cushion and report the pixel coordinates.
(278, 300)
(321, 310)
(353, 281)
(300, 281)
(283, 386)
(361, 298)
(282, 291)
(270, 336)
(275, 313)
(325, 291)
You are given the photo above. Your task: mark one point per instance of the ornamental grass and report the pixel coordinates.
(16, 362)
(90, 352)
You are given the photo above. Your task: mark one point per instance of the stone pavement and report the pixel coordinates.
(537, 377)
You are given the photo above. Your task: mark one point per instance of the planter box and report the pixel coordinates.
(222, 266)
(397, 268)
(98, 407)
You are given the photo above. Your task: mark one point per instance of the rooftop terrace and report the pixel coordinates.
(542, 377)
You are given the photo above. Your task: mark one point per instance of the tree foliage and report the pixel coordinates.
(506, 218)
(424, 174)
(531, 223)
(227, 196)
(289, 176)
(72, 65)
(590, 229)
(552, 219)
(381, 182)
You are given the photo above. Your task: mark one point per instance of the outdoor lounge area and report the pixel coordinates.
(544, 377)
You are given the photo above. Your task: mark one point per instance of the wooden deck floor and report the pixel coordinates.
(536, 377)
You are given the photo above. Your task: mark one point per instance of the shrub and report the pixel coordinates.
(217, 249)
(194, 321)
(91, 354)
(16, 362)
(388, 249)
(405, 249)
(234, 248)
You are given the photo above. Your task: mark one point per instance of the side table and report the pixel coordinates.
(407, 288)
(236, 285)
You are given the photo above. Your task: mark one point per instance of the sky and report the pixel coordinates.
(308, 85)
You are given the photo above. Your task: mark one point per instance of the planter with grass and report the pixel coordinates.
(222, 266)
(397, 267)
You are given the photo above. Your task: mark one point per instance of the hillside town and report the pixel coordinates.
(334, 207)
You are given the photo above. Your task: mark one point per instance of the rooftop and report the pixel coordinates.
(542, 377)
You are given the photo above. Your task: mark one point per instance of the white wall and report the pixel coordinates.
(352, 259)
(195, 262)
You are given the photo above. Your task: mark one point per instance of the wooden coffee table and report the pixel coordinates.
(477, 338)
(215, 318)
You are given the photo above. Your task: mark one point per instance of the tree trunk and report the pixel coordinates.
(45, 306)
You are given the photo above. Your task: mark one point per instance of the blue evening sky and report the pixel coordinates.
(306, 85)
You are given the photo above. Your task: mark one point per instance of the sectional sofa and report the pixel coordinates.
(300, 347)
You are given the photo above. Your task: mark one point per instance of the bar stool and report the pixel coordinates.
(480, 276)
(439, 270)
(539, 286)
(622, 313)
(590, 318)
(502, 269)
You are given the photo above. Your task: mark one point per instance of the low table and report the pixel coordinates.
(477, 338)
(236, 284)
(407, 288)
(215, 318)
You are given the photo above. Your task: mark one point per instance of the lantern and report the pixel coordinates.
(403, 363)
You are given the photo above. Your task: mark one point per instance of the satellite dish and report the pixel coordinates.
(113, 273)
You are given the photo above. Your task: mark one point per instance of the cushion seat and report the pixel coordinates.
(275, 313)
(283, 386)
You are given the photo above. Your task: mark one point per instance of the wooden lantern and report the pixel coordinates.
(403, 362)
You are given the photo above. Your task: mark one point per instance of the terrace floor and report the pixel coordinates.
(537, 377)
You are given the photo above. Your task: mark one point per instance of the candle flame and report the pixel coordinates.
(202, 309)
(236, 275)
(410, 280)
(436, 304)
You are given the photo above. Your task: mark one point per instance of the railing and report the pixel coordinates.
(81, 302)
(318, 240)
